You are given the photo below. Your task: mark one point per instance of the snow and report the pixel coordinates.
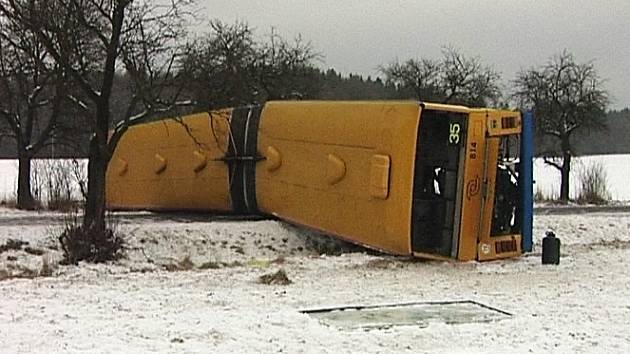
(8, 179)
(145, 302)
(136, 306)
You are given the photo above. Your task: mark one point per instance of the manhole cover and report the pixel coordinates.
(408, 314)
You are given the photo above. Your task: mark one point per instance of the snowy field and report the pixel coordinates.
(616, 167)
(189, 284)
(547, 178)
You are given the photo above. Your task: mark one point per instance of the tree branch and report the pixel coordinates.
(552, 163)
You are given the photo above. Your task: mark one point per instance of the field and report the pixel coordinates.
(547, 178)
(616, 167)
(191, 284)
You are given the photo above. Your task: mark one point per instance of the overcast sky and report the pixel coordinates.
(359, 35)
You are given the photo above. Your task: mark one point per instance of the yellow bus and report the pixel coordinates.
(403, 177)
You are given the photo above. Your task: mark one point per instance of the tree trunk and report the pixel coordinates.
(24, 196)
(94, 218)
(566, 170)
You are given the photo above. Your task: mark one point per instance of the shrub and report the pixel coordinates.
(89, 244)
(593, 184)
(12, 245)
(60, 183)
(278, 278)
(9, 202)
(185, 264)
(541, 196)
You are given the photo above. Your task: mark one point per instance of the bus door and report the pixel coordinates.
(438, 183)
(500, 235)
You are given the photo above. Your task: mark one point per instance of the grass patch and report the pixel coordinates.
(541, 196)
(47, 268)
(210, 265)
(12, 245)
(55, 183)
(614, 243)
(278, 278)
(219, 265)
(186, 264)
(330, 246)
(258, 263)
(33, 251)
(383, 263)
(593, 185)
(21, 272)
(182, 265)
(10, 203)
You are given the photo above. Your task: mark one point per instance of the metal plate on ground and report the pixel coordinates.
(408, 314)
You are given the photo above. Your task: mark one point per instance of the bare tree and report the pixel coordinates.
(220, 66)
(33, 93)
(455, 78)
(567, 97)
(420, 76)
(230, 67)
(466, 80)
(285, 69)
(93, 40)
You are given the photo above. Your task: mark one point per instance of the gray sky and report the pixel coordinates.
(359, 35)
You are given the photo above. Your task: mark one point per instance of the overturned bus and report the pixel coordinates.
(403, 177)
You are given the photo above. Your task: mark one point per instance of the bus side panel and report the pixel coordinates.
(342, 167)
(172, 165)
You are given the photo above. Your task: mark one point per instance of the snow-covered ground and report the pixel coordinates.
(140, 304)
(189, 284)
